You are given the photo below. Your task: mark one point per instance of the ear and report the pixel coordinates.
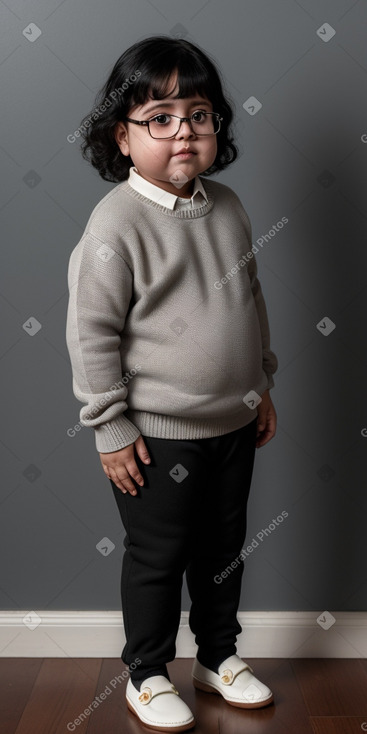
(121, 137)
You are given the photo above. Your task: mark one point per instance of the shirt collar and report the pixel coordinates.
(165, 198)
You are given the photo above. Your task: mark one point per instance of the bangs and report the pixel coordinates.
(156, 83)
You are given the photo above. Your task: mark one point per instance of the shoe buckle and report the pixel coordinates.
(227, 677)
(145, 696)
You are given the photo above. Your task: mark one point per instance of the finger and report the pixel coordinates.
(123, 483)
(265, 437)
(131, 491)
(142, 450)
(273, 423)
(109, 473)
(134, 472)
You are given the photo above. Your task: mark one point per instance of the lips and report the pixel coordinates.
(187, 150)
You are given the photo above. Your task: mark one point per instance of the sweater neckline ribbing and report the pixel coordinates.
(199, 211)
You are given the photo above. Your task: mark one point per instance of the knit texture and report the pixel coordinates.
(167, 327)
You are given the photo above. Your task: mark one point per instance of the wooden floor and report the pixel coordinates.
(311, 696)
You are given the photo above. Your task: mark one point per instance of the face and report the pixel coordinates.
(157, 160)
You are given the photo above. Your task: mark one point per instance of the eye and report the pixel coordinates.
(199, 116)
(162, 119)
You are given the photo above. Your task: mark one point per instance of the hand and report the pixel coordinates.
(266, 420)
(121, 465)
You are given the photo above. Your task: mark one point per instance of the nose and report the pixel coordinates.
(185, 130)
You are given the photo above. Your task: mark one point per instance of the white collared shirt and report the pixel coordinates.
(171, 201)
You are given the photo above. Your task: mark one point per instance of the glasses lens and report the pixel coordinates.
(165, 126)
(204, 123)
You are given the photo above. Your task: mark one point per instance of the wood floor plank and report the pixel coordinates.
(363, 664)
(215, 716)
(338, 725)
(111, 715)
(288, 706)
(62, 690)
(332, 687)
(311, 696)
(17, 677)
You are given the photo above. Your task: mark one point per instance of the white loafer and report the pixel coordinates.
(235, 682)
(158, 705)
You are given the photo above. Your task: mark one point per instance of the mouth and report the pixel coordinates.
(185, 154)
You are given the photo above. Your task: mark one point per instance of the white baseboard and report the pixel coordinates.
(264, 635)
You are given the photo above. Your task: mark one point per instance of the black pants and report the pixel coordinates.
(189, 515)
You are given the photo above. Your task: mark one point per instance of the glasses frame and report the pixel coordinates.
(182, 119)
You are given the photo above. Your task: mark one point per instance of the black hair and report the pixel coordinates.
(142, 70)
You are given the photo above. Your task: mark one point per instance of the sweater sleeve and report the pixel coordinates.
(100, 289)
(270, 361)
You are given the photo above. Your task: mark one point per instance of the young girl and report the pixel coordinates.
(169, 343)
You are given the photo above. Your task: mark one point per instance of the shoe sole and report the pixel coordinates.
(207, 688)
(157, 727)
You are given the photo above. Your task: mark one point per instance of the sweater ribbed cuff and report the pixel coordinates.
(115, 435)
(158, 425)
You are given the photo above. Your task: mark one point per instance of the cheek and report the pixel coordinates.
(150, 153)
(212, 147)
(140, 144)
(160, 152)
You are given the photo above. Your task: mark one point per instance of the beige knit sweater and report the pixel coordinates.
(167, 328)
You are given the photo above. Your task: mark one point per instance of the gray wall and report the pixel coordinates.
(303, 157)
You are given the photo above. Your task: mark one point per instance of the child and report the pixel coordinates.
(169, 343)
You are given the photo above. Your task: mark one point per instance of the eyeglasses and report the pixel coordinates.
(164, 126)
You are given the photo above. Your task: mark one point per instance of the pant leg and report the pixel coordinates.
(158, 522)
(221, 536)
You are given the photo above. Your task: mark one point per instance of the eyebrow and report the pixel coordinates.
(159, 105)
